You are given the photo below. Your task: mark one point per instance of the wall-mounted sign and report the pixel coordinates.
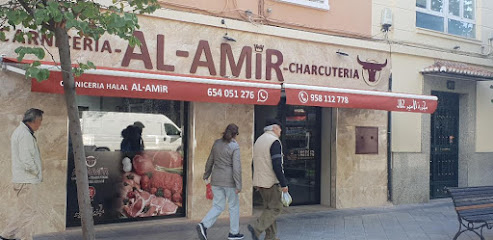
(351, 98)
(113, 83)
(171, 47)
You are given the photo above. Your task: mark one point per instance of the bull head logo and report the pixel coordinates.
(372, 69)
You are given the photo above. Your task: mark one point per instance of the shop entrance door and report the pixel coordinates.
(444, 153)
(301, 146)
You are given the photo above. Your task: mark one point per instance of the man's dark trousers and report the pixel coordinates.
(272, 207)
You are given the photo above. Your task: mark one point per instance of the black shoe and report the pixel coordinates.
(253, 232)
(2, 238)
(237, 236)
(202, 231)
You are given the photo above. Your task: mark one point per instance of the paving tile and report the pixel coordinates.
(439, 237)
(372, 224)
(380, 236)
(431, 221)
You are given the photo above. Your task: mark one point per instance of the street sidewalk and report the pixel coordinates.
(435, 220)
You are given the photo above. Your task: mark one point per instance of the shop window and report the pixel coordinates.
(321, 4)
(171, 130)
(301, 138)
(301, 144)
(455, 17)
(134, 154)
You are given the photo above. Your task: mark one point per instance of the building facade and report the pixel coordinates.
(440, 48)
(321, 67)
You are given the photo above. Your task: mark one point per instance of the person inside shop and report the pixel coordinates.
(224, 168)
(268, 179)
(132, 142)
(26, 176)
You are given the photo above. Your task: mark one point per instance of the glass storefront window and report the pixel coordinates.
(301, 139)
(301, 147)
(135, 159)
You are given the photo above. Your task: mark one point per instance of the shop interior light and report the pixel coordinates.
(342, 53)
(228, 38)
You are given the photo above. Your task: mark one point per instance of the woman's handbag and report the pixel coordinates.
(208, 190)
(208, 193)
(286, 199)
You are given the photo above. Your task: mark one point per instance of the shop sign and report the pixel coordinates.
(254, 57)
(182, 88)
(350, 98)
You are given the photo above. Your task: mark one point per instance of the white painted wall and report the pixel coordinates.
(406, 77)
(484, 116)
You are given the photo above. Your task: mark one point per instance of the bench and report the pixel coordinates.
(474, 207)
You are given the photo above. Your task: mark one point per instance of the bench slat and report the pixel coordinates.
(472, 212)
(482, 215)
(471, 202)
(469, 188)
(474, 206)
(479, 218)
(470, 193)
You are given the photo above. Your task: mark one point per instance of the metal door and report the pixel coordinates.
(444, 155)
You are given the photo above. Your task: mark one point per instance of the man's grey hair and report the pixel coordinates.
(32, 114)
(269, 128)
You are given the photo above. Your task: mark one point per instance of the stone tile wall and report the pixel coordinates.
(209, 122)
(361, 179)
(15, 99)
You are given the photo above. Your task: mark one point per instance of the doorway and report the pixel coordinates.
(444, 154)
(301, 140)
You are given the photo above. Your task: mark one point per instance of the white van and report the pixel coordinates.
(101, 131)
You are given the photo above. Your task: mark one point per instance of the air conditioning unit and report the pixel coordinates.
(386, 19)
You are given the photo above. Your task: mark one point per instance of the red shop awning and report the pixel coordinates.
(110, 82)
(352, 98)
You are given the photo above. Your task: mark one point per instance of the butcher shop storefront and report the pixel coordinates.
(135, 129)
(150, 114)
(135, 147)
(136, 133)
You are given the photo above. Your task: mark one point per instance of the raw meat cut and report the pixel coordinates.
(142, 164)
(144, 204)
(167, 181)
(168, 159)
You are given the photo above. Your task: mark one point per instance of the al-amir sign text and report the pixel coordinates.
(253, 61)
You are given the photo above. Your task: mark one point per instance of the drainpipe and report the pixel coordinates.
(389, 149)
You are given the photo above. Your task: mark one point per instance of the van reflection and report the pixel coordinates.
(102, 131)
